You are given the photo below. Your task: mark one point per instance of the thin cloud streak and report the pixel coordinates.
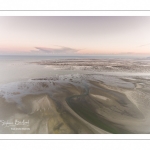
(61, 49)
(144, 45)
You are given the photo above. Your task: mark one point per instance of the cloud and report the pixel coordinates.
(144, 45)
(60, 49)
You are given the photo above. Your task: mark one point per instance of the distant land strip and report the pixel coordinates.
(74, 10)
(75, 139)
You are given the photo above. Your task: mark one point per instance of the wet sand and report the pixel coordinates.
(77, 104)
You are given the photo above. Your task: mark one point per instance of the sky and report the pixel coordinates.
(70, 35)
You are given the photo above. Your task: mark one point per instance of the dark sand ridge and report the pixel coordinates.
(138, 103)
(67, 92)
(105, 114)
(43, 107)
(44, 114)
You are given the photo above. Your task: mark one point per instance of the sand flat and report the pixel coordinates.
(80, 96)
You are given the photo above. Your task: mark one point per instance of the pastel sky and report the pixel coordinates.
(75, 35)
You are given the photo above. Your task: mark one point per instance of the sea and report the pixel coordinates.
(22, 67)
